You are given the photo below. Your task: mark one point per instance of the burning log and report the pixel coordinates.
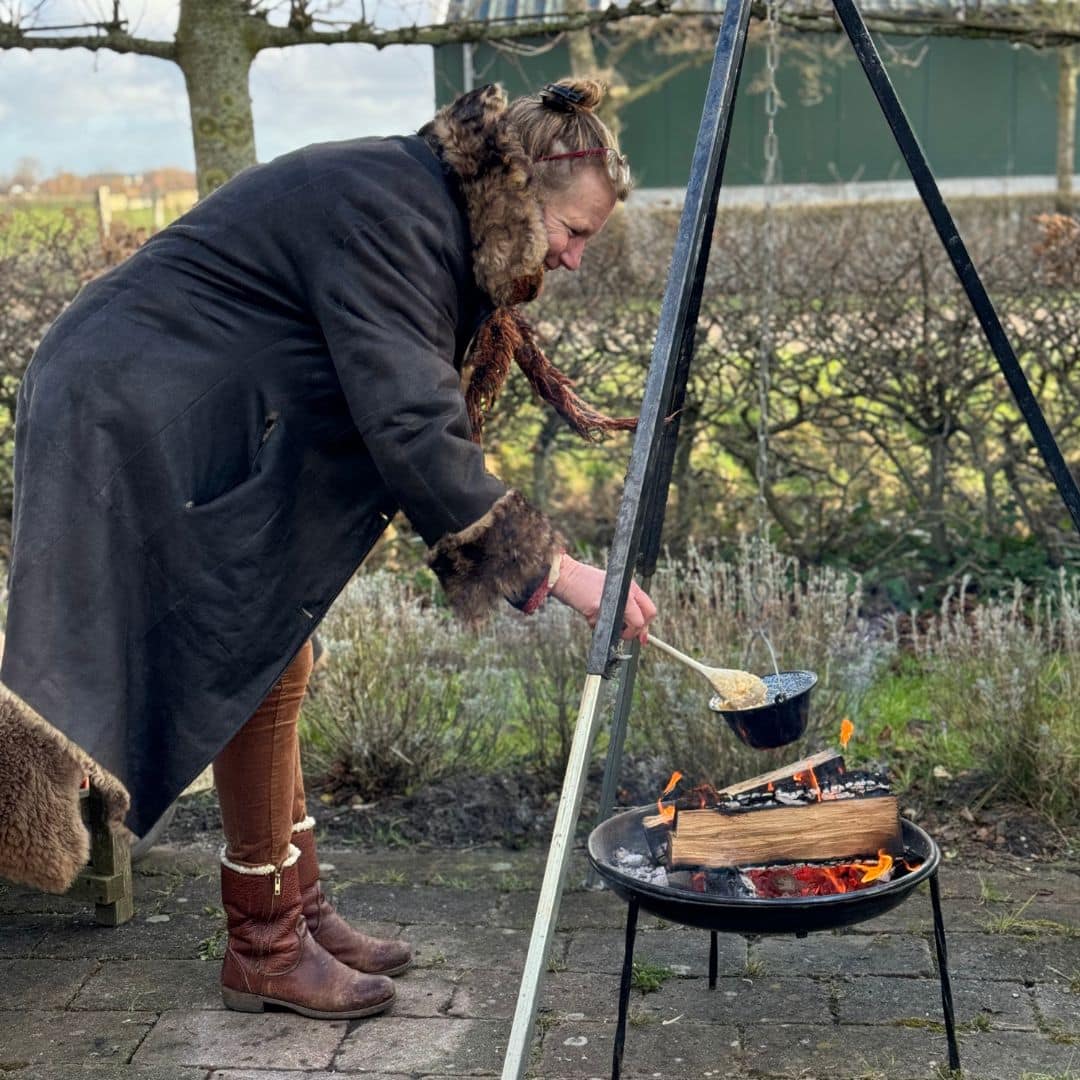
(822, 766)
(838, 829)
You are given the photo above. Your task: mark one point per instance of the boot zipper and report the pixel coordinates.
(277, 882)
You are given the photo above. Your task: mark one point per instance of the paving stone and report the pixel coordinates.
(292, 1074)
(152, 985)
(583, 1049)
(470, 947)
(188, 860)
(42, 984)
(738, 1000)
(1018, 883)
(179, 938)
(423, 993)
(847, 1052)
(416, 904)
(579, 910)
(826, 954)
(214, 1040)
(869, 999)
(37, 1036)
(24, 900)
(177, 894)
(20, 934)
(456, 1047)
(684, 949)
(490, 994)
(1007, 1055)
(1059, 1008)
(114, 1072)
(582, 995)
(1009, 957)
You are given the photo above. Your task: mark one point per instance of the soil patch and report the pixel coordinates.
(517, 810)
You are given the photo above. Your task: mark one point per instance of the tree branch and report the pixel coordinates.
(266, 36)
(17, 37)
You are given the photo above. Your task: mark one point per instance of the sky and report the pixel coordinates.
(87, 112)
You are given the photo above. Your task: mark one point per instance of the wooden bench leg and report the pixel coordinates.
(106, 881)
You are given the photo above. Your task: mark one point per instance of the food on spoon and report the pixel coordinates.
(739, 690)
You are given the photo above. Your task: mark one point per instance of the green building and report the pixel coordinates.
(985, 111)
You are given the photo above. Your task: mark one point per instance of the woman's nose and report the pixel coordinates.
(571, 257)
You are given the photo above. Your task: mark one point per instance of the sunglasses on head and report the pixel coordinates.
(618, 168)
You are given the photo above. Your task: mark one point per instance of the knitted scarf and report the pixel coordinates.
(507, 336)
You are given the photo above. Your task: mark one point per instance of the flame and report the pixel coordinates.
(810, 780)
(769, 787)
(667, 813)
(835, 879)
(675, 778)
(847, 729)
(872, 871)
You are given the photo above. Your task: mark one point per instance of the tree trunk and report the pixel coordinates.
(214, 54)
(1068, 70)
(583, 64)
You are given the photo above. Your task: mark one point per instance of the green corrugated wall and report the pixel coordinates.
(980, 108)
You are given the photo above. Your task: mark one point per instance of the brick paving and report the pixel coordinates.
(141, 1002)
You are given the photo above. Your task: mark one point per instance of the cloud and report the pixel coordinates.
(85, 111)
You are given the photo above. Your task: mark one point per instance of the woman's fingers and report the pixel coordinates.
(640, 611)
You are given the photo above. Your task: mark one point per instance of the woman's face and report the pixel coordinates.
(575, 215)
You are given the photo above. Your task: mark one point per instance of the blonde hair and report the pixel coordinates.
(551, 123)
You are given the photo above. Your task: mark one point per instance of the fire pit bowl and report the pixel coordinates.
(751, 915)
(782, 719)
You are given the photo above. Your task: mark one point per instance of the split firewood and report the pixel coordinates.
(839, 829)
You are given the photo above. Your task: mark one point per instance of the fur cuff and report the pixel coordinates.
(304, 826)
(266, 869)
(502, 556)
(43, 841)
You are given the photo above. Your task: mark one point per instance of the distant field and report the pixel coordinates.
(23, 221)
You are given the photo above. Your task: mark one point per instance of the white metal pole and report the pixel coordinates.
(547, 907)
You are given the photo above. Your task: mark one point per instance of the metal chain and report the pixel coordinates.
(767, 339)
(772, 155)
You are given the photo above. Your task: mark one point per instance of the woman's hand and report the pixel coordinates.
(580, 586)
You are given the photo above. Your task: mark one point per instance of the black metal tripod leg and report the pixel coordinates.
(712, 960)
(943, 974)
(624, 990)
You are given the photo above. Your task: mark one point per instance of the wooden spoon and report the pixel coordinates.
(737, 689)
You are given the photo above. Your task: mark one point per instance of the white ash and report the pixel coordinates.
(639, 866)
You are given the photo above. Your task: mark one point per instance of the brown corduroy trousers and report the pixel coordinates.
(259, 783)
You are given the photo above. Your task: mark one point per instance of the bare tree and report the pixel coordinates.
(216, 42)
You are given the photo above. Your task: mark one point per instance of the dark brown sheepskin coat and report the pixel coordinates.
(213, 435)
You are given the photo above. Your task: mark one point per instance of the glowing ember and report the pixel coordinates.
(809, 879)
(847, 729)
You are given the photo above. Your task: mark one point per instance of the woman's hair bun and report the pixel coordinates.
(568, 95)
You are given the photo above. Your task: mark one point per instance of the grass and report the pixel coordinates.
(649, 977)
(1013, 922)
(988, 894)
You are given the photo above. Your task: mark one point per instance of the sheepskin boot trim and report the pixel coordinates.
(271, 959)
(503, 555)
(43, 841)
(359, 951)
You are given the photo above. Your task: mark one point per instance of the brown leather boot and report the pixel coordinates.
(360, 951)
(271, 958)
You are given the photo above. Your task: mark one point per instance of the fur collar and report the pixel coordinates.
(507, 227)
